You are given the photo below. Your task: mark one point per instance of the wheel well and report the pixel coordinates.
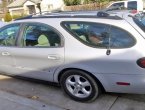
(96, 79)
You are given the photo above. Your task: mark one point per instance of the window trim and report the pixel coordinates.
(54, 29)
(76, 37)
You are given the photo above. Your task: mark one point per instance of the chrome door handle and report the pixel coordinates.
(5, 53)
(53, 57)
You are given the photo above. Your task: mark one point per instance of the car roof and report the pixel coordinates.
(73, 14)
(102, 14)
(2, 23)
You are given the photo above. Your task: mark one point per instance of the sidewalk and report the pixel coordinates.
(13, 102)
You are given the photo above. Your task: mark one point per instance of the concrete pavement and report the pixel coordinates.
(52, 97)
(14, 102)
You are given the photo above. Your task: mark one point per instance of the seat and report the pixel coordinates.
(43, 41)
(83, 38)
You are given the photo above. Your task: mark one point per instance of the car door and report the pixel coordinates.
(8, 35)
(115, 51)
(40, 53)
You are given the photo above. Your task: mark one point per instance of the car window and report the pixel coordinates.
(139, 19)
(100, 35)
(40, 35)
(8, 35)
(121, 4)
(132, 5)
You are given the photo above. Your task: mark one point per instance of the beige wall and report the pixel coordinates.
(18, 12)
(46, 5)
(14, 11)
(28, 3)
(49, 5)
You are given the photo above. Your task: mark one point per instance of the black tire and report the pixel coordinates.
(76, 91)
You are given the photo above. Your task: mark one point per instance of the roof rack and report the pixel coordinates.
(72, 14)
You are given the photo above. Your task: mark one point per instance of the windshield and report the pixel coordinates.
(139, 19)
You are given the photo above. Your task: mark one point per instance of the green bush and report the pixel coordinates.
(72, 2)
(18, 16)
(7, 17)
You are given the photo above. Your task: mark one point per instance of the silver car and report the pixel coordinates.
(85, 52)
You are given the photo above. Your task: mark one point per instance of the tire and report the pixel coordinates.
(79, 85)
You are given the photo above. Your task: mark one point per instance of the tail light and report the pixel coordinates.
(141, 62)
(133, 11)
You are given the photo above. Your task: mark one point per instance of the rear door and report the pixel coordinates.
(115, 51)
(40, 53)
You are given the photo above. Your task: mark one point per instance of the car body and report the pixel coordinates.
(56, 47)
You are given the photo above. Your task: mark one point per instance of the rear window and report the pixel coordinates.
(99, 35)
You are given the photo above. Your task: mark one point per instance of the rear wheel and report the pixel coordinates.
(79, 85)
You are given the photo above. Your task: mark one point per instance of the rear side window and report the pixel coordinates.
(121, 4)
(132, 5)
(100, 35)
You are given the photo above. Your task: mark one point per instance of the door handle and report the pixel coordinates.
(5, 53)
(53, 57)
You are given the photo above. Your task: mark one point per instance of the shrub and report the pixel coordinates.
(16, 16)
(7, 17)
(72, 2)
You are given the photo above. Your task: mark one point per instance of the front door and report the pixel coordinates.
(8, 36)
(41, 52)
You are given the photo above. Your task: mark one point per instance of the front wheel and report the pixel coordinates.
(79, 85)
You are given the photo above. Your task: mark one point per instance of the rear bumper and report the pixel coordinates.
(109, 82)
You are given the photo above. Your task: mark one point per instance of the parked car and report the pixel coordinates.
(83, 52)
(138, 5)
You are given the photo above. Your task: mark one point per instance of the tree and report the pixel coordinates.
(4, 5)
(86, 1)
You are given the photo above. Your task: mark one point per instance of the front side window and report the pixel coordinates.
(8, 35)
(139, 19)
(40, 35)
(132, 5)
(100, 35)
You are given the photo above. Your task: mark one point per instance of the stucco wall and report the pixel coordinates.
(14, 11)
(46, 5)
(29, 3)
(49, 5)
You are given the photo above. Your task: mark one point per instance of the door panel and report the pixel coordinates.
(8, 35)
(7, 64)
(42, 52)
(39, 63)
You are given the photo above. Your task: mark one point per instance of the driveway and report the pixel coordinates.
(53, 95)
